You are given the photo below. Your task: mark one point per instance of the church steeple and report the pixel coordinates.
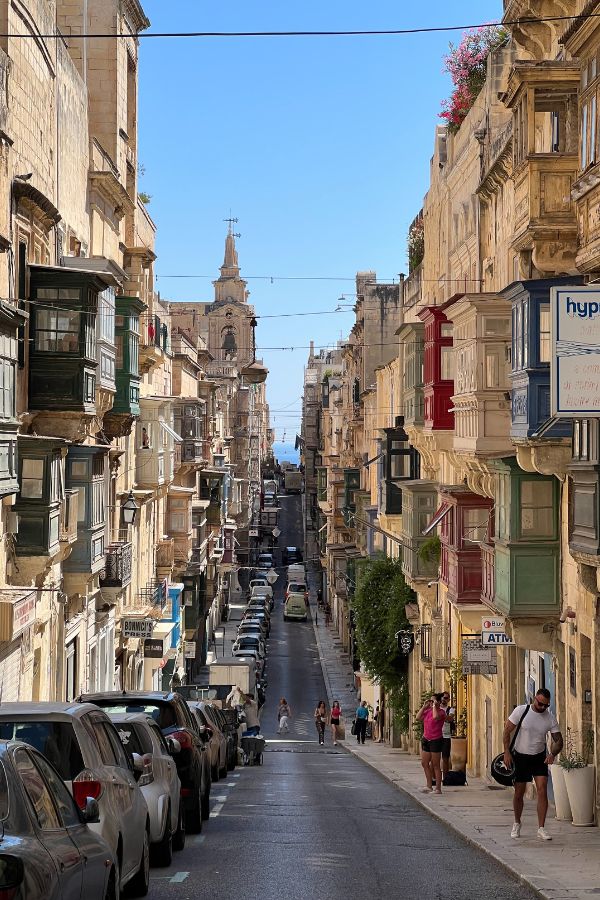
(229, 286)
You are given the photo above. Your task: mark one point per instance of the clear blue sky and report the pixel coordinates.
(320, 147)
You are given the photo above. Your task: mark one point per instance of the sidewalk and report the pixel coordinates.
(567, 868)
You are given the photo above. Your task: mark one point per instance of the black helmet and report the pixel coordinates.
(500, 773)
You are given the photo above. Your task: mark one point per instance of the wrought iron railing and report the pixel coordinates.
(117, 566)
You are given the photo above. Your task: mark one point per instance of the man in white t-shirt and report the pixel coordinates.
(530, 755)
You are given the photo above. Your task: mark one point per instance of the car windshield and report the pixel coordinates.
(162, 713)
(56, 741)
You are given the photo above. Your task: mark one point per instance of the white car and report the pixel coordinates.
(261, 590)
(250, 642)
(81, 742)
(251, 655)
(158, 781)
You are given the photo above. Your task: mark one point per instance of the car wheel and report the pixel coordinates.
(179, 836)
(194, 817)
(214, 773)
(223, 771)
(139, 884)
(205, 806)
(162, 852)
(231, 762)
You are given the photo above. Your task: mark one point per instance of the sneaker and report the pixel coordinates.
(516, 830)
(543, 834)
(335, 743)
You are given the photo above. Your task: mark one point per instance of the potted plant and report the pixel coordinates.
(562, 807)
(458, 741)
(579, 780)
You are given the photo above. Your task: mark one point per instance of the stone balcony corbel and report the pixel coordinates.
(545, 457)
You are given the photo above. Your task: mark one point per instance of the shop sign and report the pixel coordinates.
(17, 612)
(153, 649)
(189, 649)
(493, 632)
(406, 642)
(478, 659)
(575, 351)
(137, 628)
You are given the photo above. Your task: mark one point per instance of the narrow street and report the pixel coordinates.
(317, 823)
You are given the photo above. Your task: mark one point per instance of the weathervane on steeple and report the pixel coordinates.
(231, 222)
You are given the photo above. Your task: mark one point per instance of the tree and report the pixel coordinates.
(379, 609)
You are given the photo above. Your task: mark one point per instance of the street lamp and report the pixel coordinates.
(129, 509)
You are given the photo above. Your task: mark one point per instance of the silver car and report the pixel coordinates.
(81, 742)
(47, 851)
(157, 779)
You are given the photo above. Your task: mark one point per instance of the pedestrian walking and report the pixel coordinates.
(433, 717)
(321, 720)
(283, 714)
(447, 733)
(362, 717)
(381, 723)
(530, 756)
(336, 712)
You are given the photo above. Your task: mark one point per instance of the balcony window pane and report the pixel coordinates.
(447, 364)
(32, 478)
(492, 370)
(537, 508)
(7, 388)
(57, 331)
(446, 330)
(400, 465)
(106, 315)
(475, 525)
(544, 347)
(584, 136)
(119, 354)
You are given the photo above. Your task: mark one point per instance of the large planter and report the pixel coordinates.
(458, 754)
(561, 797)
(580, 789)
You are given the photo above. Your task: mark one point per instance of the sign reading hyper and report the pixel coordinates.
(575, 351)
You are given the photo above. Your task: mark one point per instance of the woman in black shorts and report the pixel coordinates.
(433, 716)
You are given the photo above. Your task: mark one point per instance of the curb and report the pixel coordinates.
(440, 817)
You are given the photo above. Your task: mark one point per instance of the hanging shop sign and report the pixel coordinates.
(575, 351)
(478, 659)
(153, 649)
(493, 632)
(406, 642)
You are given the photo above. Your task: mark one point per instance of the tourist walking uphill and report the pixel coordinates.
(362, 717)
(530, 756)
(321, 720)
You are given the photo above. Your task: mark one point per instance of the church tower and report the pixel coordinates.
(229, 287)
(229, 330)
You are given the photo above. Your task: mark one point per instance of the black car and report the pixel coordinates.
(174, 718)
(47, 851)
(291, 555)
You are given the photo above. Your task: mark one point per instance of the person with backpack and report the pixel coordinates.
(361, 720)
(530, 756)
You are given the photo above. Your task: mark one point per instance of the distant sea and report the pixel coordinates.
(285, 453)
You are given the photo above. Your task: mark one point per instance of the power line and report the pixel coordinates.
(366, 32)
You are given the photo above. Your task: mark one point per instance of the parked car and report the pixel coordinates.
(261, 590)
(256, 614)
(258, 581)
(219, 741)
(157, 779)
(251, 643)
(47, 851)
(291, 555)
(169, 710)
(216, 715)
(260, 605)
(81, 742)
(252, 624)
(232, 722)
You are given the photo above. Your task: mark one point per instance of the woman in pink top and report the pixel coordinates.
(433, 716)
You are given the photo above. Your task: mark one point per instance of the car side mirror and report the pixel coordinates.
(91, 813)
(173, 745)
(138, 763)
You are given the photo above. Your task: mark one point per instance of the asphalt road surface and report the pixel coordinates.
(315, 823)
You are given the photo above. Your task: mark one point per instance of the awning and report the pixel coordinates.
(171, 432)
(438, 515)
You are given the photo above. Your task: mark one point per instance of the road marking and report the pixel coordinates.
(216, 810)
(178, 877)
(221, 799)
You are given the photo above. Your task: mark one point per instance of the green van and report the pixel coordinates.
(295, 608)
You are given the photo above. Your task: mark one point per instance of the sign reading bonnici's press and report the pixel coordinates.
(575, 355)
